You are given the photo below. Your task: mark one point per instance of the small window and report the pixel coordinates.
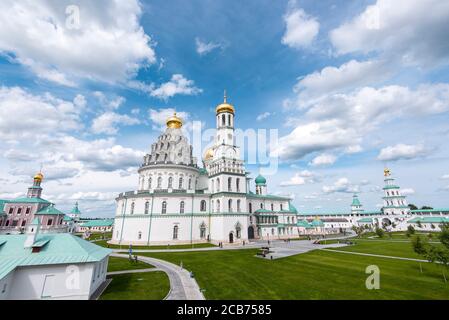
(180, 183)
(203, 205)
(147, 207)
(190, 184)
(164, 207)
(170, 182)
(49, 222)
(181, 207)
(132, 207)
(19, 211)
(159, 182)
(11, 210)
(149, 183)
(175, 232)
(28, 210)
(139, 236)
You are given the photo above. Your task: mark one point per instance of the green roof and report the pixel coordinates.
(292, 208)
(29, 200)
(260, 180)
(98, 223)
(263, 211)
(267, 196)
(365, 220)
(303, 223)
(429, 220)
(58, 248)
(203, 171)
(49, 210)
(317, 223)
(67, 218)
(391, 187)
(75, 209)
(2, 206)
(355, 201)
(430, 210)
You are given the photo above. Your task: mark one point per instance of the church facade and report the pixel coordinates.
(179, 202)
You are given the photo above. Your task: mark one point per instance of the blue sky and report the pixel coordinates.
(351, 86)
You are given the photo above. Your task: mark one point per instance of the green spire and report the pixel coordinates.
(260, 180)
(75, 209)
(355, 200)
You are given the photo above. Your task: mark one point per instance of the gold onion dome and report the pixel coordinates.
(174, 122)
(225, 106)
(209, 154)
(387, 172)
(39, 176)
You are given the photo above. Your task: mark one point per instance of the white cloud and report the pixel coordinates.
(301, 29)
(339, 121)
(407, 191)
(445, 177)
(300, 178)
(35, 115)
(341, 185)
(331, 79)
(353, 149)
(263, 116)
(109, 122)
(398, 29)
(323, 160)
(109, 104)
(402, 152)
(109, 45)
(177, 85)
(203, 48)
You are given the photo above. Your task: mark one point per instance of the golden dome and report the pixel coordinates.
(387, 172)
(225, 107)
(174, 122)
(39, 176)
(209, 154)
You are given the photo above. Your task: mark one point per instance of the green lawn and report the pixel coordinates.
(119, 264)
(138, 286)
(238, 274)
(104, 243)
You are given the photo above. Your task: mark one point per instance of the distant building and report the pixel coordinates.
(50, 266)
(93, 226)
(18, 213)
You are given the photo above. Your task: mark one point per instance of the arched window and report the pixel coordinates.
(272, 207)
(281, 207)
(180, 183)
(147, 207)
(24, 222)
(190, 183)
(175, 232)
(7, 223)
(223, 120)
(229, 120)
(139, 235)
(237, 184)
(238, 206)
(250, 207)
(159, 182)
(164, 207)
(203, 205)
(218, 206)
(218, 184)
(132, 208)
(230, 205)
(261, 206)
(238, 231)
(181, 207)
(150, 180)
(170, 182)
(49, 222)
(229, 184)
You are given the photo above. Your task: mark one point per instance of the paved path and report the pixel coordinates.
(113, 273)
(375, 255)
(182, 286)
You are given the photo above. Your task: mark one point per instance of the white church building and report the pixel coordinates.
(179, 202)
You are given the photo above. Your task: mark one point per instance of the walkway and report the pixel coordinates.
(113, 273)
(182, 286)
(375, 255)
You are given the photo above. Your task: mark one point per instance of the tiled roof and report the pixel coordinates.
(98, 223)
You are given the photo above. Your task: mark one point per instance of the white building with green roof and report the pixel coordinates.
(52, 266)
(178, 202)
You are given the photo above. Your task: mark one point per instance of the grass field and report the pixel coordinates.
(138, 286)
(120, 264)
(238, 274)
(104, 243)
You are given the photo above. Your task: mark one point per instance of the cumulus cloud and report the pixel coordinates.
(25, 115)
(398, 29)
(110, 104)
(109, 122)
(299, 178)
(159, 116)
(445, 177)
(177, 85)
(204, 48)
(353, 149)
(107, 45)
(402, 152)
(341, 185)
(323, 160)
(342, 120)
(301, 29)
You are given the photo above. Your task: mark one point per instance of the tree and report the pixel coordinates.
(418, 224)
(420, 247)
(412, 207)
(358, 230)
(380, 232)
(444, 235)
(410, 231)
(426, 208)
